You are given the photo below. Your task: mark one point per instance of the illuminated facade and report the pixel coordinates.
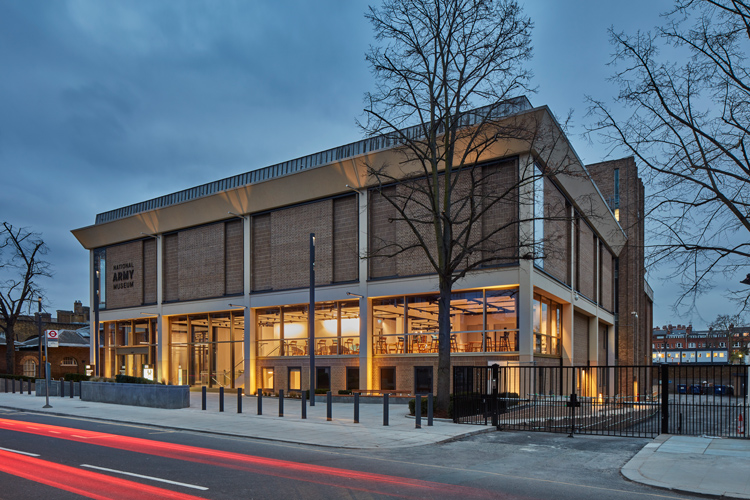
(210, 286)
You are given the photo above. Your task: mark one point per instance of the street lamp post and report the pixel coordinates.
(311, 319)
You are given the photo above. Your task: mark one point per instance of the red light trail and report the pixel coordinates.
(331, 476)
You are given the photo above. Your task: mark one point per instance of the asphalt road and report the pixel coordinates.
(125, 461)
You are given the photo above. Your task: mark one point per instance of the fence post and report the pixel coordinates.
(385, 409)
(494, 405)
(329, 406)
(203, 397)
(260, 401)
(239, 400)
(356, 407)
(429, 409)
(281, 402)
(418, 411)
(221, 399)
(304, 404)
(664, 392)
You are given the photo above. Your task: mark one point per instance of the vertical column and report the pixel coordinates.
(365, 325)
(248, 344)
(526, 267)
(162, 336)
(94, 347)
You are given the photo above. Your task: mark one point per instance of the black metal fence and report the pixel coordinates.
(637, 401)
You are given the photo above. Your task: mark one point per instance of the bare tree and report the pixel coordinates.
(446, 71)
(688, 123)
(727, 323)
(21, 266)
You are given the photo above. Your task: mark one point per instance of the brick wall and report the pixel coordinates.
(281, 244)
(201, 262)
(491, 188)
(261, 252)
(149, 271)
(234, 262)
(556, 233)
(170, 277)
(124, 275)
(586, 261)
(607, 280)
(345, 239)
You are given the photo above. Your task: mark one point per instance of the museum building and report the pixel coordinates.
(210, 286)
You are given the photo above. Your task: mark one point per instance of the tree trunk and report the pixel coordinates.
(444, 347)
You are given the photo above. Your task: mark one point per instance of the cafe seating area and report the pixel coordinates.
(500, 341)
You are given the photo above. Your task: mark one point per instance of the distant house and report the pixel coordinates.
(681, 344)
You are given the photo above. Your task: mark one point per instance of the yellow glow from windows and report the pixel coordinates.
(617, 214)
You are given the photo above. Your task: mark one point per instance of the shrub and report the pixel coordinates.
(413, 404)
(76, 377)
(127, 379)
(17, 377)
(344, 392)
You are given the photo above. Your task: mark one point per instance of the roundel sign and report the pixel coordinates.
(52, 334)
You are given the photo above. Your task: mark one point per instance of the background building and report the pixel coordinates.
(681, 344)
(620, 185)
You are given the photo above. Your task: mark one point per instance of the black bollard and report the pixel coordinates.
(72, 389)
(239, 400)
(30, 387)
(281, 402)
(304, 404)
(356, 407)
(429, 410)
(329, 406)
(418, 412)
(203, 397)
(221, 399)
(62, 388)
(13, 385)
(260, 401)
(385, 409)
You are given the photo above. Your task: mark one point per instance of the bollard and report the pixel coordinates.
(30, 387)
(6, 384)
(221, 399)
(62, 388)
(356, 407)
(418, 412)
(281, 402)
(72, 389)
(385, 409)
(329, 406)
(260, 401)
(239, 400)
(429, 410)
(203, 397)
(304, 404)
(13, 385)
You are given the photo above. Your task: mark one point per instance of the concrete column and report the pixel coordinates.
(365, 320)
(162, 336)
(525, 312)
(248, 344)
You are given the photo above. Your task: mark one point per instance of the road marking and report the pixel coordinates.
(20, 452)
(145, 477)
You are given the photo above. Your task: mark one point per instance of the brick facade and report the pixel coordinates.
(281, 244)
(556, 233)
(124, 275)
(580, 339)
(234, 261)
(586, 260)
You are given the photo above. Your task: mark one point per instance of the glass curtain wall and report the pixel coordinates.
(129, 347)
(207, 349)
(283, 330)
(547, 326)
(481, 321)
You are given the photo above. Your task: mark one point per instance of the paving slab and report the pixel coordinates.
(316, 429)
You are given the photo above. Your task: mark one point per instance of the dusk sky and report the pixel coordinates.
(104, 104)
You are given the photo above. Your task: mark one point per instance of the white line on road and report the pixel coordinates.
(20, 452)
(145, 477)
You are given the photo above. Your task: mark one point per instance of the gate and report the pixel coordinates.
(633, 401)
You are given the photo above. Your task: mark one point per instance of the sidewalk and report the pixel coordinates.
(692, 464)
(340, 432)
(689, 464)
